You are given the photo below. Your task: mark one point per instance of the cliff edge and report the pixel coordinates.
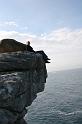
(22, 75)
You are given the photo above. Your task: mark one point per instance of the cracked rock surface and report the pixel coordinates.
(22, 76)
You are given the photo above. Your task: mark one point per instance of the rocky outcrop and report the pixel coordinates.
(22, 76)
(11, 45)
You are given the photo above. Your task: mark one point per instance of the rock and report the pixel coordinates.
(18, 61)
(22, 76)
(22, 121)
(11, 45)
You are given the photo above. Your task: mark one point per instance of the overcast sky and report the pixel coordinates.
(54, 26)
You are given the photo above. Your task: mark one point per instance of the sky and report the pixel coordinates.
(54, 26)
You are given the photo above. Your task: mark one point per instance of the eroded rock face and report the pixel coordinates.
(22, 76)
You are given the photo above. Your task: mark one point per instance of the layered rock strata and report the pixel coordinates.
(22, 76)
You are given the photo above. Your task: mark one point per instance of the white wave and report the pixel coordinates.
(70, 113)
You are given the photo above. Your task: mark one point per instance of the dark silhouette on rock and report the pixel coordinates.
(28, 47)
(11, 45)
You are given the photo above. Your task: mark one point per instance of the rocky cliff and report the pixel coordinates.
(22, 76)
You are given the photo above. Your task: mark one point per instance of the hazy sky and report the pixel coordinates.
(52, 25)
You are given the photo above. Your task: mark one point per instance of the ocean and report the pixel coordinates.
(60, 102)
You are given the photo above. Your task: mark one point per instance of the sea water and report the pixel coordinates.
(60, 102)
